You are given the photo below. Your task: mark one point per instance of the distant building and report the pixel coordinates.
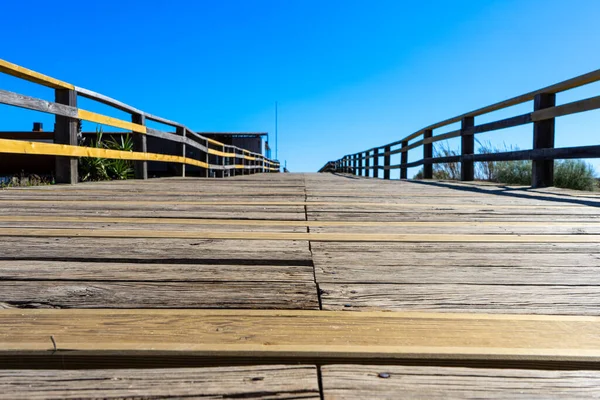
(244, 140)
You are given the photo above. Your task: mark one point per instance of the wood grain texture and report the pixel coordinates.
(141, 294)
(39, 148)
(282, 333)
(286, 236)
(248, 382)
(461, 297)
(110, 121)
(32, 103)
(390, 382)
(32, 76)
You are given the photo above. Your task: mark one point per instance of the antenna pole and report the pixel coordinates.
(276, 150)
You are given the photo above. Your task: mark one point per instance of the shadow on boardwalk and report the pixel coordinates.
(521, 193)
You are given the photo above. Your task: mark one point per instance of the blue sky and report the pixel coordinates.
(347, 75)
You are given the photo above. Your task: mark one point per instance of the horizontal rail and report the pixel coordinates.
(51, 149)
(247, 160)
(542, 117)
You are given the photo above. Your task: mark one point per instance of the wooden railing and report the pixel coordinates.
(543, 153)
(214, 156)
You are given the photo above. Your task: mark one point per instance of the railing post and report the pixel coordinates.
(206, 160)
(355, 161)
(65, 132)
(467, 170)
(427, 153)
(360, 164)
(140, 168)
(386, 162)
(244, 164)
(181, 150)
(367, 164)
(543, 138)
(376, 163)
(222, 163)
(404, 160)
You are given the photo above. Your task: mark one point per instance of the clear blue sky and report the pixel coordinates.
(348, 75)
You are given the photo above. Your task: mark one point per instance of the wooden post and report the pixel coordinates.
(180, 150)
(427, 153)
(140, 145)
(376, 163)
(367, 164)
(65, 132)
(404, 160)
(242, 162)
(355, 164)
(543, 138)
(222, 162)
(467, 170)
(361, 170)
(206, 159)
(386, 162)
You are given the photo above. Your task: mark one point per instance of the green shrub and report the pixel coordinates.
(574, 174)
(513, 172)
(101, 169)
(569, 174)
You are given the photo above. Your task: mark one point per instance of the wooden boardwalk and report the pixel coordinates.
(274, 286)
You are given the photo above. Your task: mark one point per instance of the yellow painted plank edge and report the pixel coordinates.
(105, 120)
(316, 237)
(301, 334)
(39, 148)
(32, 76)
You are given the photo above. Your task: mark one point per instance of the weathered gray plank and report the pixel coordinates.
(32, 103)
(509, 299)
(90, 294)
(392, 382)
(248, 382)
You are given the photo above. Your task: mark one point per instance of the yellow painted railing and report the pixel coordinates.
(213, 154)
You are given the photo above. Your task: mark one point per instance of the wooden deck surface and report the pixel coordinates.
(432, 289)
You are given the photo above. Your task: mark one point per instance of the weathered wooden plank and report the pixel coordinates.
(22, 147)
(458, 268)
(449, 248)
(107, 100)
(474, 298)
(105, 294)
(505, 226)
(165, 251)
(32, 76)
(32, 103)
(247, 382)
(287, 236)
(186, 270)
(340, 204)
(268, 333)
(387, 382)
(110, 121)
(566, 109)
